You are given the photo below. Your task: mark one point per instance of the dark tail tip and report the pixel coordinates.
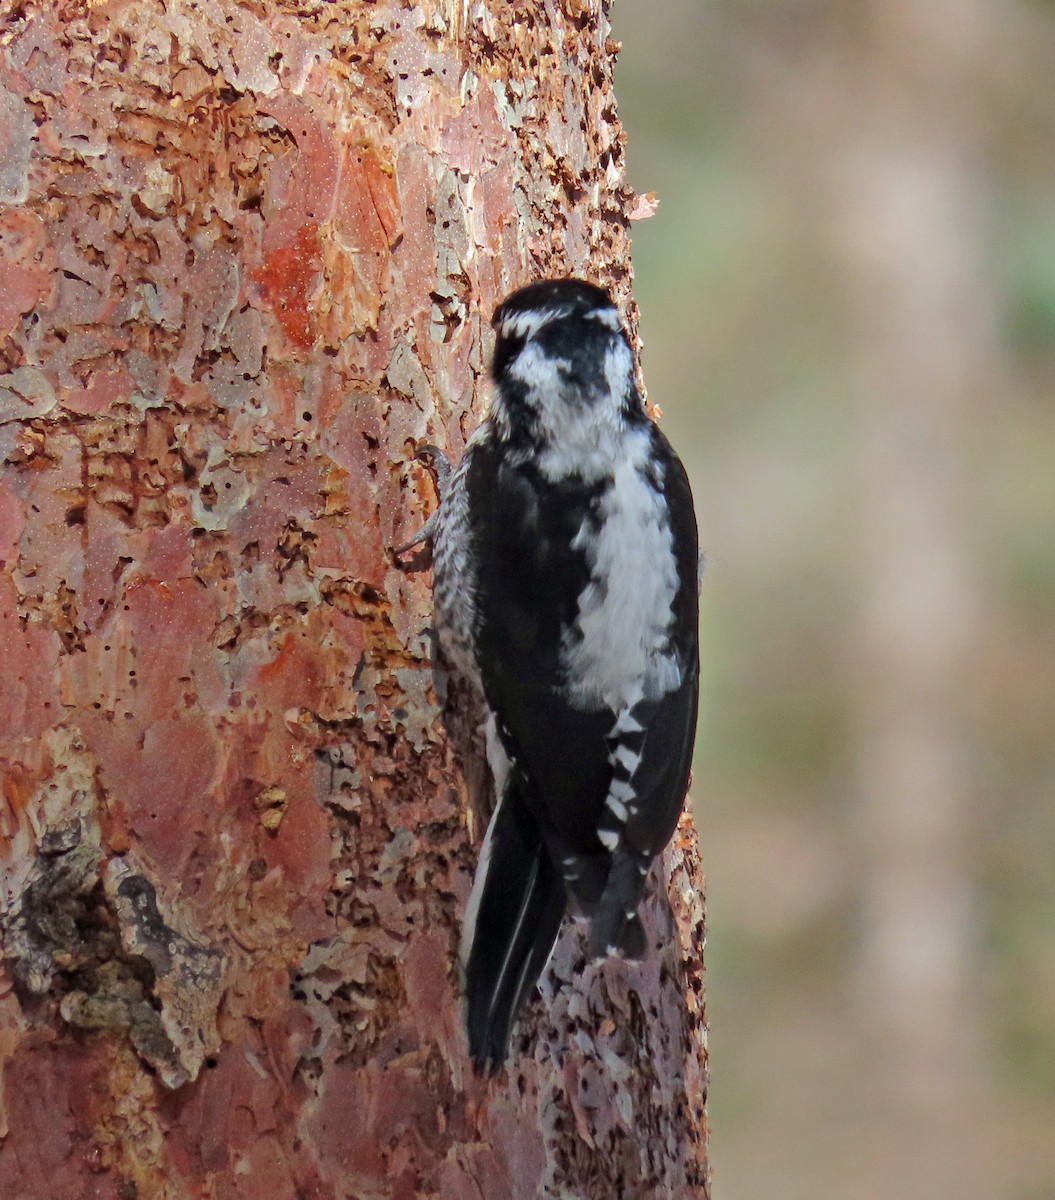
(616, 927)
(618, 934)
(521, 908)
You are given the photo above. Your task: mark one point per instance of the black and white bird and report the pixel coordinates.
(566, 563)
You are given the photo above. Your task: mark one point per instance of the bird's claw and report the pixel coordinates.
(440, 466)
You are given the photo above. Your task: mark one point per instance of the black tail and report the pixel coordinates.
(518, 903)
(616, 927)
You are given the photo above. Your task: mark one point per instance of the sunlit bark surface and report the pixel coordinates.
(247, 253)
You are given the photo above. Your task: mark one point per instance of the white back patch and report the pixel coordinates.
(625, 611)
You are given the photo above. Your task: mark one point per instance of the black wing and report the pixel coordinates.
(528, 584)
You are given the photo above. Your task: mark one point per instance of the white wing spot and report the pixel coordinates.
(622, 790)
(616, 807)
(627, 758)
(608, 838)
(627, 723)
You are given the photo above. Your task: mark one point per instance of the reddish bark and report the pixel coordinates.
(245, 252)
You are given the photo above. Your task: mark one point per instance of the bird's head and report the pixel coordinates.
(562, 361)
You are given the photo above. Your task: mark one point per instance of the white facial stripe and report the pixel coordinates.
(527, 324)
(542, 375)
(607, 317)
(618, 370)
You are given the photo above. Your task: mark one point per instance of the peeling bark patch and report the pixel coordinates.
(103, 957)
(290, 279)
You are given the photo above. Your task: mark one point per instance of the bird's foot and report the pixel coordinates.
(441, 471)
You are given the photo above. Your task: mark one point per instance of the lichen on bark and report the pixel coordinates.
(247, 253)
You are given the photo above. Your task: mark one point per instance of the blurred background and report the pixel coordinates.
(848, 308)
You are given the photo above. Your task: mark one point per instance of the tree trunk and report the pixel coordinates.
(248, 255)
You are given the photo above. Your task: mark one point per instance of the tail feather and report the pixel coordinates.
(513, 920)
(616, 927)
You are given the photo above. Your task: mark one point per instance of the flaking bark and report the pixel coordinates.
(247, 253)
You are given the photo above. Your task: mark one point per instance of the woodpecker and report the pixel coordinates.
(565, 559)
